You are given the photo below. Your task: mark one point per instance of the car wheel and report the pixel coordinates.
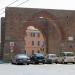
(12, 63)
(73, 62)
(56, 62)
(27, 63)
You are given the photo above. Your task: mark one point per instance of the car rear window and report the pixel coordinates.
(67, 54)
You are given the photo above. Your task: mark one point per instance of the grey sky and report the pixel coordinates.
(49, 4)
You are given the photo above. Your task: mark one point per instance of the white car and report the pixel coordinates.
(51, 58)
(66, 57)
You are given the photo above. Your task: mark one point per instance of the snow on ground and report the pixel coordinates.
(46, 69)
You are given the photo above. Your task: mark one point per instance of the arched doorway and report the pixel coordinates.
(46, 24)
(34, 41)
(49, 28)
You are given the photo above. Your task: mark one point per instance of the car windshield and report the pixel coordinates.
(39, 55)
(70, 54)
(21, 56)
(52, 55)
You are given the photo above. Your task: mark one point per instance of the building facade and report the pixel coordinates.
(34, 41)
(56, 26)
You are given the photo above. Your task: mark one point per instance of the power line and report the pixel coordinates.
(8, 5)
(22, 3)
(2, 12)
(16, 6)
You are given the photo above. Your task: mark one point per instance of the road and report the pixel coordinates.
(46, 69)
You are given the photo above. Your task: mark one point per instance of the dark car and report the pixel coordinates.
(37, 58)
(21, 59)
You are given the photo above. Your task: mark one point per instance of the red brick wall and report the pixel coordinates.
(60, 23)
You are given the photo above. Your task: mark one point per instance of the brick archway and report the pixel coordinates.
(34, 20)
(51, 20)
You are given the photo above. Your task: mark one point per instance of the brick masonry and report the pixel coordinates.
(56, 26)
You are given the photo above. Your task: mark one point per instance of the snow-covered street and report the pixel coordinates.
(46, 69)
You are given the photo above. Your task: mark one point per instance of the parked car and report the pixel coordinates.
(67, 57)
(51, 58)
(20, 59)
(37, 58)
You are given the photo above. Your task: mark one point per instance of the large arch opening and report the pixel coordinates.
(34, 41)
(47, 25)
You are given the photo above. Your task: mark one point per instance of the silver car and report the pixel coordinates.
(67, 57)
(51, 58)
(20, 59)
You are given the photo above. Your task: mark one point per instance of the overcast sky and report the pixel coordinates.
(47, 4)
